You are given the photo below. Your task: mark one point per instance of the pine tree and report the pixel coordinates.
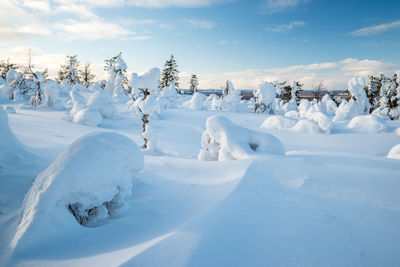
(5, 66)
(69, 70)
(170, 73)
(194, 82)
(86, 75)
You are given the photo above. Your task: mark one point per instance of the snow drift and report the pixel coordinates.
(87, 183)
(368, 124)
(223, 140)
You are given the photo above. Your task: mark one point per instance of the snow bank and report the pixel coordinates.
(278, 122)
(197, 102)
(102, 101)
(368, 124)
(223, 140)
(86, 184)
(88, 116)
(394, 153)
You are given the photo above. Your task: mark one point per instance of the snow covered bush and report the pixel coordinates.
(278, 122)
(197, 102)
(265, 98)
(52, 95)
(79, 88)
(86, 184)
(116, 68)
(303, 107)
(305, 126)
(329, 105)
(357, 105)
(394, 153)
(223, 140)
(168, 96)
(65, 88)
(231, 98)
(88, 116)
(78, 102)
(149, 80)
(368, 124)
(102, 101)
(322, 121)
(95, 87)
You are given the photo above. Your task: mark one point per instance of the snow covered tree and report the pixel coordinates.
(373, 89)
(170, 73)
(117, 81)
(286, 94)
(69, 70)
(30, 86)
(264, 98)
(318, 90)
(86, 75)
(5, 66)
(194, 82)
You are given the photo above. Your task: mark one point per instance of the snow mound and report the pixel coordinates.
(197, 102)
(368, 124)
(322, 121)
(102, 101)
(85, 185)
(278, 122)
(223, 140)
(394, 153)
(10, 147)
(88, 116)
(168, 97)
(305, 126)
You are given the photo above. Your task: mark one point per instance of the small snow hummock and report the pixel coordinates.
(278, 122)
(368, 124)
(102, 101)
(394, 153)
(85, 185)
(223, 140)
(88, 116)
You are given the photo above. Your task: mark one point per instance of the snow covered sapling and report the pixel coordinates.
(69, 70)
(194, 82)
(264, 98)
(170, 73)
(116, 67)
(32, 82)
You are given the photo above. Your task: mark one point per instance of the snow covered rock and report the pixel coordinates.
(368, 124)
(102, 101)
(88, 116)
(394, 153)
(305, 126)
(197, 102)
(85, 185)
(223, 140)
(278, 122)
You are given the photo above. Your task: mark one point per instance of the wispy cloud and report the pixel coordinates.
(200, 24)
(276, 6)
(287, 27)
(378, 29)
(174, 3)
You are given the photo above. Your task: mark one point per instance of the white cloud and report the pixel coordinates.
(287, 27)
(373, 30)
(173, 3)
(40, 5)
(200, 24)
(334, 74)
(276, 6)
(91, 30)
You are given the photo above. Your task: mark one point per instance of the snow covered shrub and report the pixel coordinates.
(323, 122)
(265, 98)
(357, 105)
(212, 102)
(65, 88)
(168, 96)
(95, 87)
(116, 68)
(305, 126)
(102, 101)
(88, 116)
(85, 185)
(196, 102)
(368, 124)
(78, 102)
(303, 107)
(231, 98)
(330, 106)
(394, 153)
(278, 122)
(223, 140)
(51, 94)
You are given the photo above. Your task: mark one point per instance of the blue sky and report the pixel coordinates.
(243, 41)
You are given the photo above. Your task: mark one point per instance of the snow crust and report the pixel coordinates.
(95, 169)
(223, 140)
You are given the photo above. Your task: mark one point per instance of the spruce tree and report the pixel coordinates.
(86, 75)
(194, 82)
(69, 70)
(5, 66)
(170, 73)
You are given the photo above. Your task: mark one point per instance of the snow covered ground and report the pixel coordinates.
(331, 200)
